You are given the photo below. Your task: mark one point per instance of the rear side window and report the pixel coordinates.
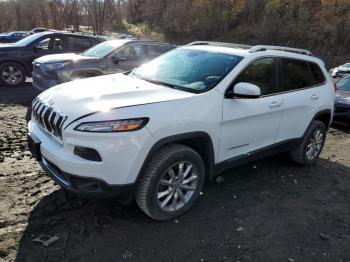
(156, 50)
(79, 43)
(261, 73)
(132, 52)
(295, 74)
(317, 74)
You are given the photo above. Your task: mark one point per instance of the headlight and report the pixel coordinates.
(123, 125)
(56, 65)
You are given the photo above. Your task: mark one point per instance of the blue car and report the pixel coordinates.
(342, 101)
(12, 37)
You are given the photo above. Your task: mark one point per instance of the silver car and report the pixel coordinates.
(109, 57)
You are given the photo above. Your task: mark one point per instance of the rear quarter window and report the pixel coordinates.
(317, 74)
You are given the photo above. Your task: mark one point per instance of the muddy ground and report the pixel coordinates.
(269, 210)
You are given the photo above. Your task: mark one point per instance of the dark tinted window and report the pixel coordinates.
(79, 43)
(295, 74)
(262, 73)
(156, 50)
(132, 52)
(317, 74)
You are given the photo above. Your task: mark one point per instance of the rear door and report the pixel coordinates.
(251, 124)
(301, 83)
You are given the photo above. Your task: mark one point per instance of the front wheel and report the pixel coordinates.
(171, 183)
(311, 145)
(12, 74)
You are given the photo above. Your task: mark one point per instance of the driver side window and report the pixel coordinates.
(50, 43)
(262, 73)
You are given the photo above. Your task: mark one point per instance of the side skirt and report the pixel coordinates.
(257, 154)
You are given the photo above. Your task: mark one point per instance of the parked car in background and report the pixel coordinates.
(157, 133)
(16, 59)
(341, 71)
(12, 37)
(342, 101)
(40, 30)
(109, 57)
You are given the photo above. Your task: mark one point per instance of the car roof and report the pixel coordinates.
(134, 41)
(66, 33)
(253, 51)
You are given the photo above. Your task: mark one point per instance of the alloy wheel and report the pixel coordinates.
(12, 75)
(177, 185)
(315, 144)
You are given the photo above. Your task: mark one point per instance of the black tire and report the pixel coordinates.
(299, 155)
(166, 158)
(20, 74)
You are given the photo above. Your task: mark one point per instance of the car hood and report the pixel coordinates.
(8, 47)
(342, 98)
(62, 58)
(100, 94)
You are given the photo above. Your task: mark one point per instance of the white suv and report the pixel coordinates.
(156, 133)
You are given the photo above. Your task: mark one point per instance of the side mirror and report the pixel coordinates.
(246, 90)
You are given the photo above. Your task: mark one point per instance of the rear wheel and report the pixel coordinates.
(311, 145)
(171, 183)
(12, 74)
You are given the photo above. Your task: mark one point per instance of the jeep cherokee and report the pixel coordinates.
(156, 133)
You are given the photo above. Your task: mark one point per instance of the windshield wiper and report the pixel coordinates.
(157, 82)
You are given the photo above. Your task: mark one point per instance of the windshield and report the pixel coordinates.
(29, 39)
(347, 65)
(103, 49)
(188, 69)
(344, 83)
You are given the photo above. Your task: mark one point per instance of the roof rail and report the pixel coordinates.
(259, 48)
(222, 44)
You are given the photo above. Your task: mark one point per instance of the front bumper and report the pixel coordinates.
(341, 115)
(122, 156)
(41, 83)
(84, 186)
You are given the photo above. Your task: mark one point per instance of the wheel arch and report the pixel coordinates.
(92, 72)
(325, 116)
(198, 141)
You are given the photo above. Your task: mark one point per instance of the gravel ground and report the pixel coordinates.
(269, 210)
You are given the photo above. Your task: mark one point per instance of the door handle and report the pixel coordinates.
(275, 104)
(314, 97)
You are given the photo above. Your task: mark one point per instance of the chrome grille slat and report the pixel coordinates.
(48, 118)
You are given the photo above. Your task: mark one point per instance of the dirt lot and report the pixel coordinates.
(269, 210)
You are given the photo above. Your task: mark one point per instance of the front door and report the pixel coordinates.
(252, 124)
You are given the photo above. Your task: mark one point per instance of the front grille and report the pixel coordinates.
(47, 118)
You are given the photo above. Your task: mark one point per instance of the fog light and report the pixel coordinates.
(87, 153)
